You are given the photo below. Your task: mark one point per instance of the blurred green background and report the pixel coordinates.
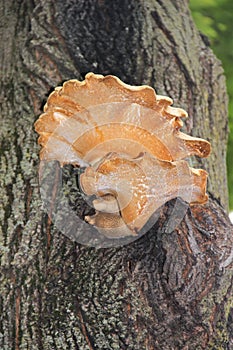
(214, 18)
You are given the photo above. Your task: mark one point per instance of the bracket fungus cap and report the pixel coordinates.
(129, 140)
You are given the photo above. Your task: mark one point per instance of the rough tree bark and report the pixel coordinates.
(168, 290)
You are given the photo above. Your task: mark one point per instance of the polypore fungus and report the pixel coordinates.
(130, 142)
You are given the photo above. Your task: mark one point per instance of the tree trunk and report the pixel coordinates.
(172, 288)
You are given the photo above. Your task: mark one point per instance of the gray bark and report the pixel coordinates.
(168, 290)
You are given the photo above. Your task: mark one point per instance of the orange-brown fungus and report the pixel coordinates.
(130, 142)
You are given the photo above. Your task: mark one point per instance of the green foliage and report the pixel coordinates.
(214, 18)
